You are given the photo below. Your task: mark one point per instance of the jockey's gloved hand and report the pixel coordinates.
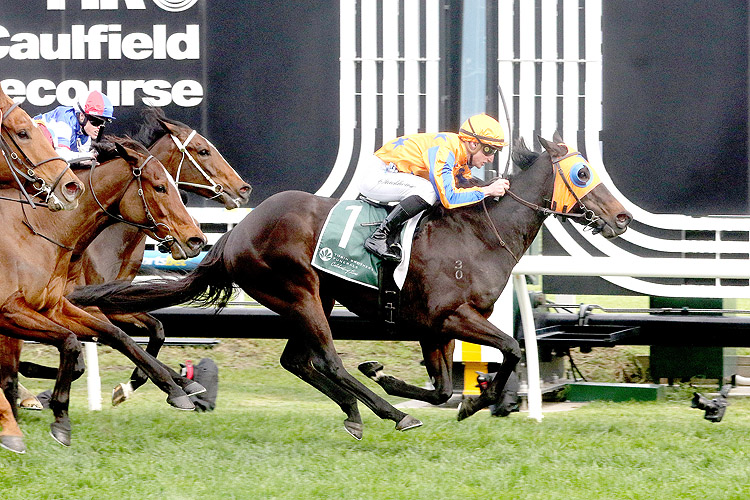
(84, 160)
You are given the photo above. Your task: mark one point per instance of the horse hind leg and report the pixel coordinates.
(296, 359)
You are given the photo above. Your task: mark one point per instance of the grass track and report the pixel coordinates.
(274, 437)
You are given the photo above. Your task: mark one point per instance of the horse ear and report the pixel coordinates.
(557, 137)
(168, 127)
(554, 149)
(123, 152)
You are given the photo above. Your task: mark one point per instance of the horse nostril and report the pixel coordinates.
(246, 190)
(196, 243)
(72, 190)
(623, 219)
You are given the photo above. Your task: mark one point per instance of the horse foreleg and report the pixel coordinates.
(468, 325)
(11, 437)
(91, 326)
(296, 359)
(438, 359)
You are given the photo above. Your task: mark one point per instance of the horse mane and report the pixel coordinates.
(106, 150)
(151, 129)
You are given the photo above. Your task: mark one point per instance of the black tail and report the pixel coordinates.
(207, 285)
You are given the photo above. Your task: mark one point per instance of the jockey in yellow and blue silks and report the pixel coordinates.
(418, 170)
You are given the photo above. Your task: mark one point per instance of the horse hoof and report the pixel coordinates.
(13, 443)
(60, 433)
(354, 429)
(370, 369)
(181, 403)
(31, 403)
(466, 408)
(193, 388)
(408, 422)
(121, 393)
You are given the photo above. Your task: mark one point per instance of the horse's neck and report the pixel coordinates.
(77, 228)
(522, 223)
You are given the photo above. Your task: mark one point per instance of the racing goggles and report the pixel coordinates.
(97, 121)
(488, 150)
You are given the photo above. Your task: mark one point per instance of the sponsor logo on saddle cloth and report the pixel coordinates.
(340, 249)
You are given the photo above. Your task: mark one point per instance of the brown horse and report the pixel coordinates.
(129, 186)
(269, 256)
(30, 164)
(117, 253)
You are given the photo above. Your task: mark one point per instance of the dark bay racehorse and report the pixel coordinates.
(129, 185)
(117, 253)
(269, 256)
(29, 164)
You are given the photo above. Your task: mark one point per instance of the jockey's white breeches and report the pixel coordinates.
(382, 182)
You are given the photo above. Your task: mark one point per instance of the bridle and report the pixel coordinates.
(164, 243)
(587, 215)
(23, 167)
(212, 185)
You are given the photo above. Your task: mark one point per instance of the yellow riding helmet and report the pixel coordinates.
(484, 129)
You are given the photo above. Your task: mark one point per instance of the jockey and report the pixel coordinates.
(417, 170)
(73, 128)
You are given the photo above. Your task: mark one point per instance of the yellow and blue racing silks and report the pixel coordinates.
(440, 158)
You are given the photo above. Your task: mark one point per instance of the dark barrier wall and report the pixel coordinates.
(259, 79)
(675, 104)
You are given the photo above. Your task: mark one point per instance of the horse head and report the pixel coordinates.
(30, 162)
(579, 193)
(195, 163)
(153, 203)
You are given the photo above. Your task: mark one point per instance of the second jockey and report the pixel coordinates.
(73, 128)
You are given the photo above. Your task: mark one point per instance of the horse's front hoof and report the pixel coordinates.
(61, 433)
(13, 443)
(181, 402)
(408, 422)
(193, 388)
(354, 429)
(121, 393)
(467, 408)
(371, 369)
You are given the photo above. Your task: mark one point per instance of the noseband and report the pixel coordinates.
(164, 243)
(25, 168)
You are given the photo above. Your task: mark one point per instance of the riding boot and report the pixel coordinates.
(377, 243)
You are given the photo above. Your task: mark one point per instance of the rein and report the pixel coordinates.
(165, 242)
(25, 163)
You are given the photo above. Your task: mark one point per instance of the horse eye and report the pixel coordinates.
(580, 175)
(160, 189)
(23, 134)
(204, 152)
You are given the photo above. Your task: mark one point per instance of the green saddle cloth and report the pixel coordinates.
(340, 249)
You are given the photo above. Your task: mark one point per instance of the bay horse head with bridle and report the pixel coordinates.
(269, 255)
(30, 164)
(193, 161)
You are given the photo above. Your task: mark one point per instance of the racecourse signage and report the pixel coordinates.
(132, 50)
